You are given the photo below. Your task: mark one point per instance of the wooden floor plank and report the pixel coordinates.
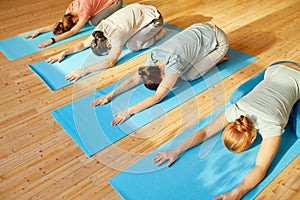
(40, 161)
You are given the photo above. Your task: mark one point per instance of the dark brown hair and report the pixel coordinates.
(65, 25)
(98, 44)
(237, 136)
(151, 76)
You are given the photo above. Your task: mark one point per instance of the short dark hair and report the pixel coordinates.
(151, 76)
(98, 44)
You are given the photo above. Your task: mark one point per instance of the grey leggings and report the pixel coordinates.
(213, 58)
(105, 13)
(145, 37)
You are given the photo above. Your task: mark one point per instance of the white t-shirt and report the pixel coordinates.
(124, 23)
(269, 104)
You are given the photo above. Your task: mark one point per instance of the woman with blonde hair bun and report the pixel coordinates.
(78, 13)
(239, 135)
(266, 110)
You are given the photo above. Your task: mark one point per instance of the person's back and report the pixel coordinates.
(269, 104)
(192, 44)
(88, 8)
(128, 20)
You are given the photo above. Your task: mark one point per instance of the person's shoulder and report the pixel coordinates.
(270, 130)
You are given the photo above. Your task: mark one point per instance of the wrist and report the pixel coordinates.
(63, 53)
(109, 97)
(83, 71)
(130, 111)
(237, 193)
(177, 151)
(52, 40)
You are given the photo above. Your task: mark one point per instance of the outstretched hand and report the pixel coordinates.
(46, 43)
(75, 75)
(120, 117)
(228, 196)
(32, 35)
(101, 101)
(58, 57)
(162, 157)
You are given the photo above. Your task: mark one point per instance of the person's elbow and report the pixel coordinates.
(157, 98)
(261, 171)
(72, 32)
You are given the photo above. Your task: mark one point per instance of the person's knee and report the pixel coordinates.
(189, 77)
(222, 50)
(119, 4)
(221, 37)
(91, 22)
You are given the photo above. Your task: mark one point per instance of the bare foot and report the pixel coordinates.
(160, 34)
(223, 59)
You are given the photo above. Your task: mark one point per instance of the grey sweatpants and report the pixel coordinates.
(213, 58)
(145, 37)
(105, 13)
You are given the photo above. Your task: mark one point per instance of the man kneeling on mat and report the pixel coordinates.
(265, 109)
(188, 55)
(140, 26)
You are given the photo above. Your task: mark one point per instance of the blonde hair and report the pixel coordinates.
(237, 136)
(65, 25)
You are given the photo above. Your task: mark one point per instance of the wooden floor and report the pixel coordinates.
(38, 160)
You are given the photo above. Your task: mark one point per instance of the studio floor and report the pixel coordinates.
(38, 159)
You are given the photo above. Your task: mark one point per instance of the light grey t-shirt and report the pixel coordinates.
(184, 49)
(269, 104)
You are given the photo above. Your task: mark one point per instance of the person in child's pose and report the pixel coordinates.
(188, 55)
(140, 26)
(78, 13)
(265, 109)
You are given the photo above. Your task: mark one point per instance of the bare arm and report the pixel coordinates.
(264, 158)
(162, 91)
(46, 29)
(113, 56)
(42, 30)
(74, 49)
(197, 138)
(79, 46)
(78, 26)
(112, 59)
(200, 136)
(126, 85)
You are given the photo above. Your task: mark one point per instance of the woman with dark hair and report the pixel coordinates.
(78, 13)
(265, 109)
(136, 25)
(187, 55)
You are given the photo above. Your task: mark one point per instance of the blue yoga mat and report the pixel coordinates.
(203, 172)
(54, 74)
(18, 47)
(90, 127)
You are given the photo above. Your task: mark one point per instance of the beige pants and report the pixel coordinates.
(145, 37)
(213, 58)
